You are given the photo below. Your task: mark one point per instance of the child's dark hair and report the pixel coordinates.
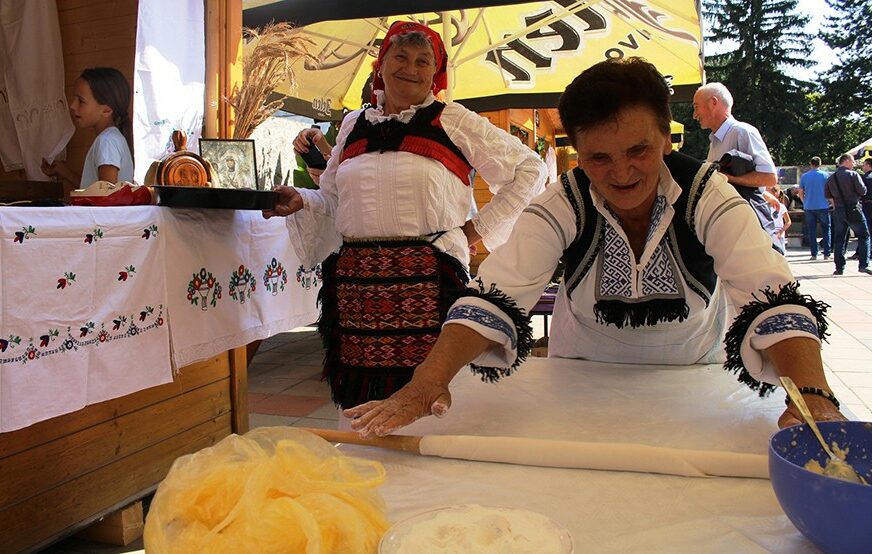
(111, 88)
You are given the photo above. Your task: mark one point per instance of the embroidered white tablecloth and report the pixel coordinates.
(97, 303)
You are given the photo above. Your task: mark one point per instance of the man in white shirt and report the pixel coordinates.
(712, 106)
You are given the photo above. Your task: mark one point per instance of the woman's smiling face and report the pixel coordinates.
(622, 158)
(407, 72)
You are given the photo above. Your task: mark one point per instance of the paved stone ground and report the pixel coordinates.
(285, 386)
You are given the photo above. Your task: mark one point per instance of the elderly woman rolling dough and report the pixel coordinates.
(655, 246)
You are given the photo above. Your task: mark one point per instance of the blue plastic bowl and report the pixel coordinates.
(835, 515)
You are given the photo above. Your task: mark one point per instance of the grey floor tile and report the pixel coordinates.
(310, 387)
(266, 420)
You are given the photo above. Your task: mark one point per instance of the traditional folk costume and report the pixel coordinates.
(704, 248)
(396, 191)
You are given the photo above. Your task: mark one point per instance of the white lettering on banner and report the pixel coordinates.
(522, 58)
(322, 106)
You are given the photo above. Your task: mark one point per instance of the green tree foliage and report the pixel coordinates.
(843, 108)
(759, 42)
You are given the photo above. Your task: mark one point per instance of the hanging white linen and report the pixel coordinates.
(34, 116)
(168, 79)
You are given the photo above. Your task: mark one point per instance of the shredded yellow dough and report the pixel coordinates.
(276, 489)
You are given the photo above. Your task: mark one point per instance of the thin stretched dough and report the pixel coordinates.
(596, 455)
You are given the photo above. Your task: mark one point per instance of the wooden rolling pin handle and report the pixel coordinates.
(393, 442)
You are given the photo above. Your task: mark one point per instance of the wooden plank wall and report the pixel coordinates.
(95, 33)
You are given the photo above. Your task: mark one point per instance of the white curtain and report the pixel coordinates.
(34, 117)
(169, 78)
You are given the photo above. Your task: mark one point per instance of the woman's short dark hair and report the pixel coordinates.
(604, 89)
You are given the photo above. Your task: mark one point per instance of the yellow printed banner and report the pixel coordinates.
(516, 55)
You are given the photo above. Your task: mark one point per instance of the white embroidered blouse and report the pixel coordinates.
(399, 194)
(743, 260)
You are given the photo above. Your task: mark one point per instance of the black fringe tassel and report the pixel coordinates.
(522, 327)
(787, 294)
(650, 312)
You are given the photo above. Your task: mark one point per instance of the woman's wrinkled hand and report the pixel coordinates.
(415, 400)
(289, 201)
(821, 410)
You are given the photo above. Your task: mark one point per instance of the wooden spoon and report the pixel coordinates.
(836, 467)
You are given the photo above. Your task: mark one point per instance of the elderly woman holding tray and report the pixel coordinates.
(394, 201)
(654, 244)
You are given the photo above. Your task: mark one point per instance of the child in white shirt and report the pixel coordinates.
(101, 98)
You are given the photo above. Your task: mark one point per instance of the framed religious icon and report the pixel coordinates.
(233, 161)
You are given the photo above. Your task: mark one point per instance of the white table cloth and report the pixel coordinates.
(698, 407)
(97, 303)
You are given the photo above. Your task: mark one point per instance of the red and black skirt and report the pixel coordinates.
(382, 307)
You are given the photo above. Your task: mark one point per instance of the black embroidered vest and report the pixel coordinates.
(422, 135)
(696, 266)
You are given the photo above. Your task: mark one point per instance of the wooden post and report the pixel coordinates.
(231, 64)
(239, 390)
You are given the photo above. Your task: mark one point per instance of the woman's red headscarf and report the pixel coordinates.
(440, 79)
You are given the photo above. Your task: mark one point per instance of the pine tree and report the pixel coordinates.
(761, 40)
(845, 102)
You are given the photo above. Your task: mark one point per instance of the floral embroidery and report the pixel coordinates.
(309, 278)
(14, 340)
(275, 277)
(203, 289)
(242, 284)
(50, 336)
(485, 318)
(96, 234)
(145, 313)
(124, 330)
(780, 323)
(23, 234)
(150, 231)
(128, 272)
(68, 279)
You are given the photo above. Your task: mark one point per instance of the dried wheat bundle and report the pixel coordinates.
(264, 66)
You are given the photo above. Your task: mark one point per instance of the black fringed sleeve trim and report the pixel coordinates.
(520, 319)
(786, 294)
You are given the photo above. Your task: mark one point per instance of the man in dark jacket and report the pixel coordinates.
(867, 199)
(846, 189)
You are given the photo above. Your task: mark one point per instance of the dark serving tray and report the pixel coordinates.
(207, 197)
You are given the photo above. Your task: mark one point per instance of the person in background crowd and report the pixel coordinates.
(845, 188)
(781, 216)
(816, 208)
(793, 197)
(866, 203)
(394, 202)
(712, 107)
(101, 98)
(657, 247)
